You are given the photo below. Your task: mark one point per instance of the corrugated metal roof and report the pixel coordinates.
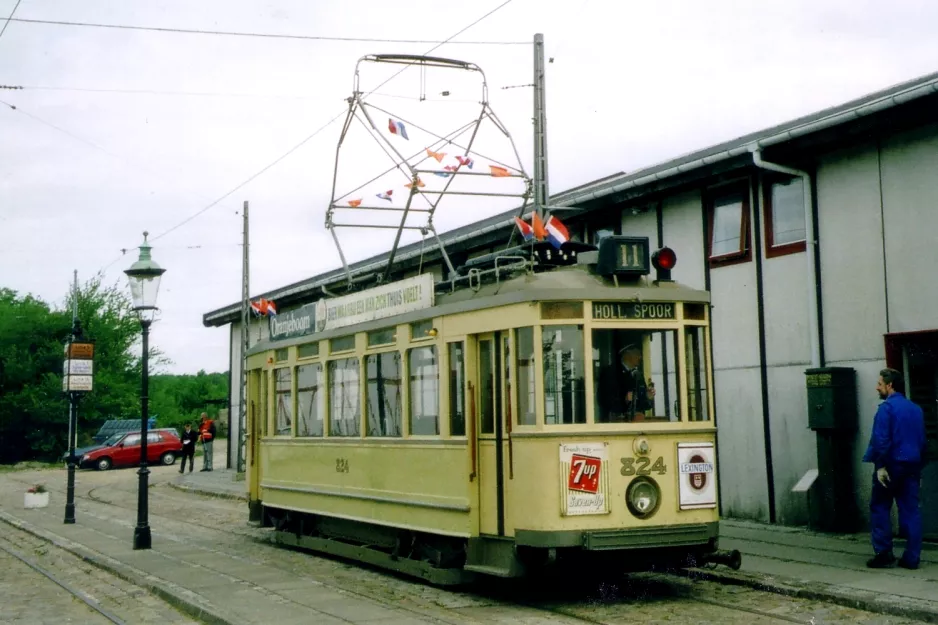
(616, 183)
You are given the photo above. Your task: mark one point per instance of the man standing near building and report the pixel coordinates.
(207, 436)
(897, 451)
(189, 438)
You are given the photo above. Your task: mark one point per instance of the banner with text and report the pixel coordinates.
(292, 323)
(387, 300)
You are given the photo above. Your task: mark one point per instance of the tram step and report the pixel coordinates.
(497, 571)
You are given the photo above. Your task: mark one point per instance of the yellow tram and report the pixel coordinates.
(545, 410)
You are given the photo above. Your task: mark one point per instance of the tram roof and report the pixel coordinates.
(828, 126)
(572, 283)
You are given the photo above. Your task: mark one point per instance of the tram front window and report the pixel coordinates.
(564, 375)
(635, 376)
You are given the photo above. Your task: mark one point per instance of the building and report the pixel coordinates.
(816, 239)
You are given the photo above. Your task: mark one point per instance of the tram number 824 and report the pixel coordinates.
(639, 466)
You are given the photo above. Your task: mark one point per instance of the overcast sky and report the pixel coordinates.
(152, 127)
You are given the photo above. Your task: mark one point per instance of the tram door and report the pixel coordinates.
(257, 416)
(490, 424)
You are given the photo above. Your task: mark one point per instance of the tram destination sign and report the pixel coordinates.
(387, 300)
(633, 310)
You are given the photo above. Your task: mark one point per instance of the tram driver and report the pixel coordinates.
(637, 396)
(622, 394)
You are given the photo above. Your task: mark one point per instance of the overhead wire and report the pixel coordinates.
(209, 94)
(275, 161)
(323, 127)
(10, 18)
(228, 33)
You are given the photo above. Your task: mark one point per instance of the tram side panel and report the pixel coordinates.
(415, 486)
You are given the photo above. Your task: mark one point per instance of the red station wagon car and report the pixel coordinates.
(162, 446)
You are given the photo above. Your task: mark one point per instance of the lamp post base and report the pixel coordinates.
(142, 537)
(70, 492)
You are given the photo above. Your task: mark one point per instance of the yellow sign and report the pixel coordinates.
(80, 351)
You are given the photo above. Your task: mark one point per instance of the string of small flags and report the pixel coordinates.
(398, 128)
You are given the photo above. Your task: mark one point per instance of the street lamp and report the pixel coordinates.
(144, 277)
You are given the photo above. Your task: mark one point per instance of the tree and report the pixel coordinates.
(31, 399)
(33, 408)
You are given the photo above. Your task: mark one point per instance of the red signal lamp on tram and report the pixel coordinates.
(663, 261)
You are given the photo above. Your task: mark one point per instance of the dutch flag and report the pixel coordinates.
(556, 232)
(525, 228)
(397, 128)
(271, 309)
(386, 195)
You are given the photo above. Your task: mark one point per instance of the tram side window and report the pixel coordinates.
(635, 376)
(524, 337)
(344, 402)
(457, 382)
(698, 406)
(564, 375)
(424, 369)
(284, 396)
(384, 394)
(310, 400)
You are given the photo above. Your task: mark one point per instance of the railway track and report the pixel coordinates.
(43, 582)
(638, 598)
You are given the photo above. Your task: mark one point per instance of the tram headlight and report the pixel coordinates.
(642, 497)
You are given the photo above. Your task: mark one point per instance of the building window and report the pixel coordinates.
(310, 400)
(284, 398)
(728, 221)
(524, 351)
(424, 391)
(280, 355)
(564, 375)
(457, 399)
(384, 394)
(344, 402)
(784, 216)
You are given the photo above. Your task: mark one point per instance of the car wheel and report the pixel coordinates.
(104, 464)
(168, 458)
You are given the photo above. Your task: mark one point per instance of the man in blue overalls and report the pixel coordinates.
(897, 451)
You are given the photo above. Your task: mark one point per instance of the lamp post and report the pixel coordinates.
(144, 277)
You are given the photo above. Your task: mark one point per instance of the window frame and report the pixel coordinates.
(400, 393)
(411, 395)
(771, 249)
(359, 394)
(276, 395)
(712, 197)
(323, 388)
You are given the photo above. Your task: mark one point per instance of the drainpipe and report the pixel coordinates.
(810, 247)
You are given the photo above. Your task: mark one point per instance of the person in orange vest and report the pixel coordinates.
(207, 436)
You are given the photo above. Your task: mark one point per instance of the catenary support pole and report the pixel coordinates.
(245, 339)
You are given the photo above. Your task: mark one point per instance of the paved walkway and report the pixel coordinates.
(786, 560)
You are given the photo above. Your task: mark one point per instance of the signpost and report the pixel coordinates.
(77, 378)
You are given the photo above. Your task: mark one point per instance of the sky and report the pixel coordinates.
(119, 131)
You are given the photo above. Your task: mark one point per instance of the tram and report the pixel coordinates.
(552, 409)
